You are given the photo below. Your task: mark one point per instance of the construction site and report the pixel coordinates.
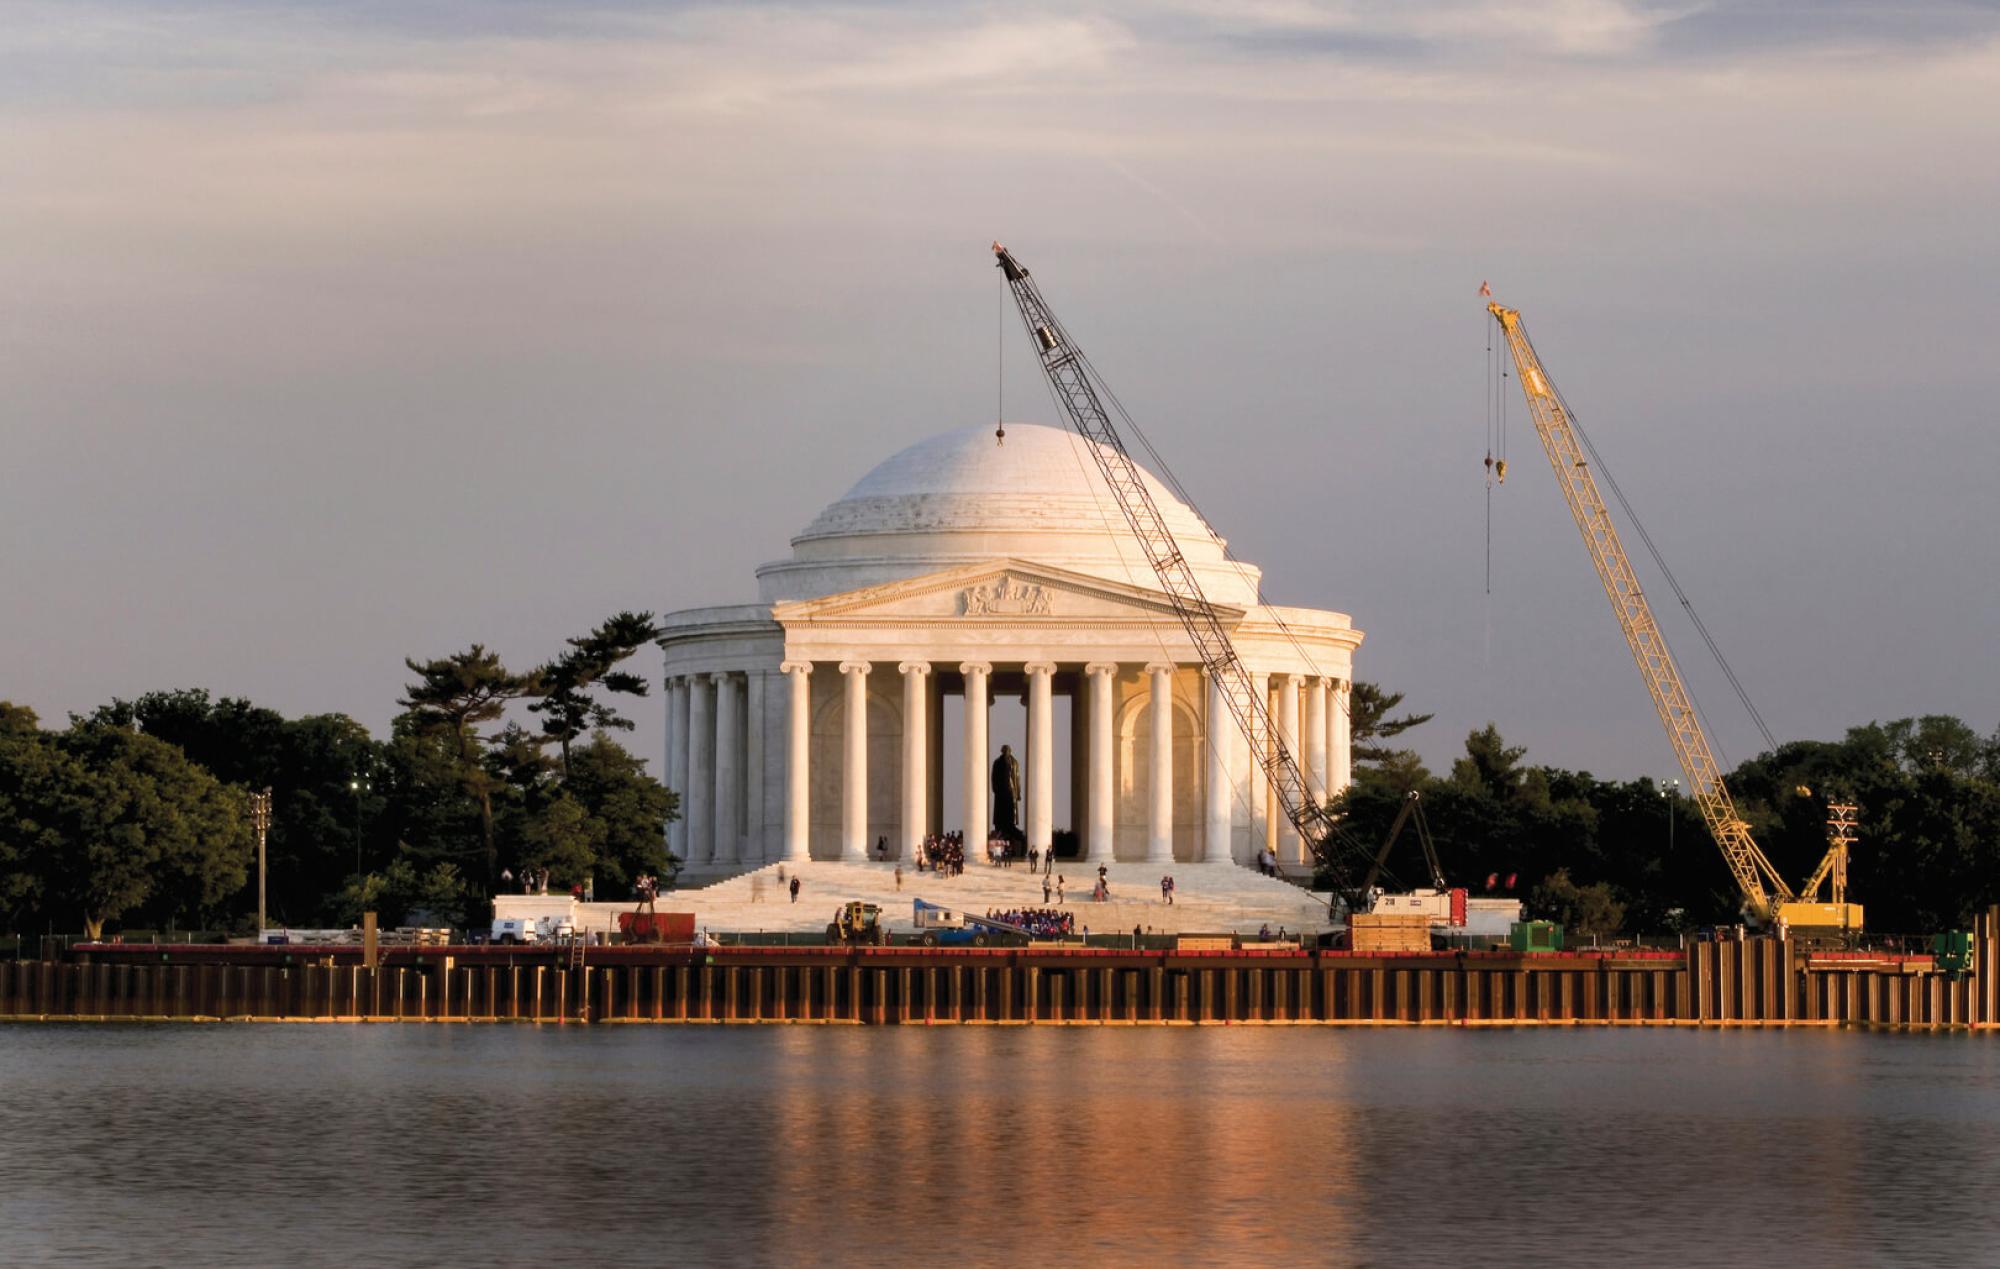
(1333, 940)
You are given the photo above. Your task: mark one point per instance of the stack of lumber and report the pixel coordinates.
(1389, 932)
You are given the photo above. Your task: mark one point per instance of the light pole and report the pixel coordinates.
(1668, 792)
(356, 786)
(260, 819)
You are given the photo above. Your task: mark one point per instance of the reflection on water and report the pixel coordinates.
(490, 1146)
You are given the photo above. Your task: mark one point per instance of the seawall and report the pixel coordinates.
(1759, 982)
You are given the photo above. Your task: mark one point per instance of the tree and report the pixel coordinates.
(401, 894)
(320, 769)
(606, 821)
(562, 838)
(1591, 909)
(451, 698)
(35, 781)
(115, 822)
(1491, 764)
(633, 807)
(566, 704)
(1368, 721)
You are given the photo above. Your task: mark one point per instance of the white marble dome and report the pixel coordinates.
(961, 498)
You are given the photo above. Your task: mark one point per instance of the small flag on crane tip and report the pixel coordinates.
(1485, 291)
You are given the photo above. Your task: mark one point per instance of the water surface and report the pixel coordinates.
(503, 1145)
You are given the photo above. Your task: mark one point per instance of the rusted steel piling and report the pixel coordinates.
(1757, 982)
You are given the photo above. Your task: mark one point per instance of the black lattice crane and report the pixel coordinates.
(1076, 389)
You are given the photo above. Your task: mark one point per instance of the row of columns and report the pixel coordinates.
(716, 759)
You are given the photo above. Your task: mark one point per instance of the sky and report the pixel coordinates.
(336, 334)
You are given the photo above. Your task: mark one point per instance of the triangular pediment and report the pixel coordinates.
(1008, 591)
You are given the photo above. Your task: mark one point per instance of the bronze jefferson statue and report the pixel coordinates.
(1007, 794)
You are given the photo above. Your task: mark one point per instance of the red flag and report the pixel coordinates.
(1486, 290)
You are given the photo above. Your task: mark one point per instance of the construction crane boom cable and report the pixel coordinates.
(1660, 561)
(1080, 394)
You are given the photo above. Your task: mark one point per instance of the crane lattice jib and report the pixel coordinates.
(1069, 376)
(1747, 863)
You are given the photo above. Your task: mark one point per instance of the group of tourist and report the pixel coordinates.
(942, 854)
(533, 880)
(1044, 923)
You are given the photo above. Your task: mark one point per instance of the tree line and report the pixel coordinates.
(1633, 856)
(135, 815)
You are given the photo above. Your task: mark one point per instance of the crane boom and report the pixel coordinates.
(1412, 806)
(1754, 874)
(1070, 378)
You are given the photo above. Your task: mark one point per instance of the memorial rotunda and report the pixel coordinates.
(813, 723)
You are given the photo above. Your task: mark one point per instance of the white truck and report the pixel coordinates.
(542, 929)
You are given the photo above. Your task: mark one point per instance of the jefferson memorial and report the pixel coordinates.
(849, 710)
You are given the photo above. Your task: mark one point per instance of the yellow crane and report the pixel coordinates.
(1765, 893)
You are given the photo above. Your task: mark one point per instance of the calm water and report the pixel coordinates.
(490, 1145)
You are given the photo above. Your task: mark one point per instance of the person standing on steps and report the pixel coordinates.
(1059, 888)
(795, 889)
(899, 876)
(1045, 890)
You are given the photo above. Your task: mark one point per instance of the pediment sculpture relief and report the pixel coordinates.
(1004, 597)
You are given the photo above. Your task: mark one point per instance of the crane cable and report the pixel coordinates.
(1173, 482)
(1687, 605)
(1241, 781)
(1339, 839)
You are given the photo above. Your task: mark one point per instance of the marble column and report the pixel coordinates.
(1098, 837)
(1340, 763)
(1259, 788)
(854, 765)
(701, 769)
(676, 774)
(1287, 726)
(756, 836)
(1041, 754)
(1160, 817)
(916, 755)
(1220, 726)
(798, 753)
(974, 822)
(728, 768)
(1315, 738)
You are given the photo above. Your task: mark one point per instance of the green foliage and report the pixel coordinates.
(451, 698)
(137, 811)
(1490, 765)
(567, 707)
(402, 895)
(1368, 721)
(633, 807)
(312, 766)
(1591, 909)
(103, 822)
(1928, 856)
(606, 821)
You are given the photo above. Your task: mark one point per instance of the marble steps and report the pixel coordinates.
(1210, 898)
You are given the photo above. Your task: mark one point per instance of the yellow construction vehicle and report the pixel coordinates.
(1766, 896)
(858, 924)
